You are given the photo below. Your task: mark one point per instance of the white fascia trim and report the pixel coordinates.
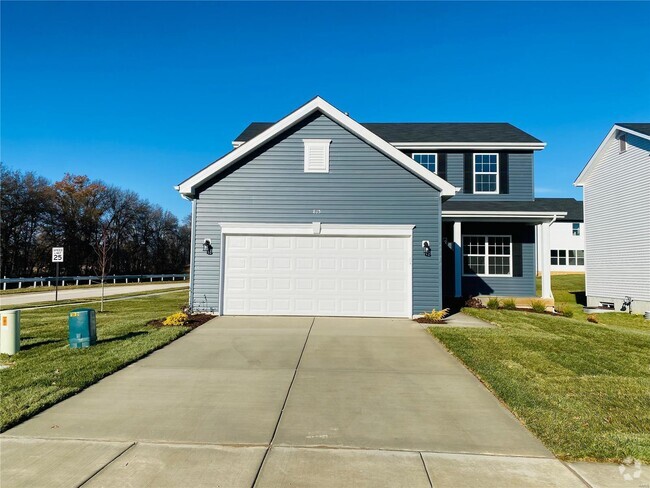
(188, 186)
(236, 144)
(491, 146)
(450, 214)
(580, 180)
(247, 228)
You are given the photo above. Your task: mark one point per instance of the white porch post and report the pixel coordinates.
(458, 261)
(545, 250)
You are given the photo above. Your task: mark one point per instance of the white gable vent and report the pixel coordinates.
(317, 155)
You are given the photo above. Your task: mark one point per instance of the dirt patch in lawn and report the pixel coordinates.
(194, 321)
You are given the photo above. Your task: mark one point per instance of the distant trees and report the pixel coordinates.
(84, 216)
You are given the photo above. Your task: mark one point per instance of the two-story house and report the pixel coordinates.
(616, 186)
(317, 214)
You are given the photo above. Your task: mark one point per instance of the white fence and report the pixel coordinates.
(87, 280)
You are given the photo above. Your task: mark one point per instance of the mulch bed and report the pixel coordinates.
(194, 321)
(422, 320)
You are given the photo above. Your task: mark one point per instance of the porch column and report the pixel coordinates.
(545, 250)
(458, 261)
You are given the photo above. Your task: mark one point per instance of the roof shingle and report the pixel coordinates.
(427, 132)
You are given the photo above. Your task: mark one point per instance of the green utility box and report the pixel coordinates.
(82, 325)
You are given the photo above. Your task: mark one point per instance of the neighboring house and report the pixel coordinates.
(567, 238)
(318, 214)
(616, 187)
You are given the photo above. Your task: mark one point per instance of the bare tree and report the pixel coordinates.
(103, 248)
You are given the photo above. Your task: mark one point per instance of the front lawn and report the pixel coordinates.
(583, 389)
(46, 370)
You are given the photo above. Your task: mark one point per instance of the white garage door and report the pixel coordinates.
(317, 275)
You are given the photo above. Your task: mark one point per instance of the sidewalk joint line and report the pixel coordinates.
(96, 472)
(426, 470)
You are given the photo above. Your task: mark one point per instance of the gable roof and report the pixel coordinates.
(188, 187)
(641, 129)
(408, 134)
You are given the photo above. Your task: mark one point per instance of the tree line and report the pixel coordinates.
(101, 227)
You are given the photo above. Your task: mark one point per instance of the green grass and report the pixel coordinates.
(92, 300)
(46, 370)
(583, 389)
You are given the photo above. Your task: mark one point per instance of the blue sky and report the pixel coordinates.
(142, 95)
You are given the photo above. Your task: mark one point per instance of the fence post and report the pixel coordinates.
(4, 285)
(20, 284)
(76, 282)
(114, 279)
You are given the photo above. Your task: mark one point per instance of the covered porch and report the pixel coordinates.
(493, 253)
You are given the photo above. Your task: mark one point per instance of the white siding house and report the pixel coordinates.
(616, 186)
(567, 239)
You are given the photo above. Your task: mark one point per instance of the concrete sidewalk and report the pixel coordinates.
(284, 402)
(18, 299)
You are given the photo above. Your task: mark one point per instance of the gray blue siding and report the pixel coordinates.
(523, 283)
(362, 187)
(520, 177)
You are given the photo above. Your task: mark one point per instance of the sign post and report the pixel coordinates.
(57, 257)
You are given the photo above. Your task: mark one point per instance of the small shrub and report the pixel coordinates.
(562, 310)
(473, 302)
(592, 318)
(493, 304)
(436, 315)
(509, 304)
(176, 319)
(538, 306)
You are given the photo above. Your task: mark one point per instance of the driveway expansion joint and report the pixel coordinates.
(284, 404)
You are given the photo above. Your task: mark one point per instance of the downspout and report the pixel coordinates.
(192, 252)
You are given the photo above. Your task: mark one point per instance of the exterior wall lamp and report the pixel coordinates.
(207, 246)
(426, 245)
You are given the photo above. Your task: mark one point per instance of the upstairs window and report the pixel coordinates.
(486, 173)
(317, 155)
(428, 160)
(487, 255)
(575, 229)
(622, 141)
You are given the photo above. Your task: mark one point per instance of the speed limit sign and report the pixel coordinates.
(57, 254)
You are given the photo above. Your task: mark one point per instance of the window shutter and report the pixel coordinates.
(517, 254)
(442, 165)
(504, 173)
(468, 170)
(317, 155)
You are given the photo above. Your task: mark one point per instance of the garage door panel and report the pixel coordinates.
(317, 275)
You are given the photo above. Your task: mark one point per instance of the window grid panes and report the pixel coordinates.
(487, 255)
(428, 160)
(486, 169)
(567, 257)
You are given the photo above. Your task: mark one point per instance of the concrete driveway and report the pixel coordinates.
(266, 402)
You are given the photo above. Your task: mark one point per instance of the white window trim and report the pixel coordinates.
(325, 143)
(496, 192)
(487, 256)
(426, 154)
